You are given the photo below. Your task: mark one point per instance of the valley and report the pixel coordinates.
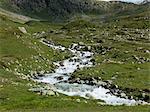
(81, 54)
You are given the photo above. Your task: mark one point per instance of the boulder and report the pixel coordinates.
(23, 30)
(50, 93)
(123, 95)
(59, 78)
(81, 43)
(78, 100)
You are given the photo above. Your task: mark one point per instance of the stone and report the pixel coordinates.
(78, 100)
(88, 95)
(89, 48)
(123, 95)
(81, 43)
(23, 30)
(61, 64)
(78, 80)
(113, 78)
(143, 94)
(92, 60)
(59, 78)
(109, 81)
(101, 103)
(35, 89)
(85, 101)
(138, 68)
(56, 93)
(147, 51)
(42, 72)
(101, 83)
(50, 93)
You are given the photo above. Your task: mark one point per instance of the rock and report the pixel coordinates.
(123, 95)
(78, 80)
(78, 100)
(94, 81)
(98, 78)
(147, 51)
(138, 68)
(114, 77)
(59, 78)
(92, 60)
(101, 83)
(61, 64)
(146, 98)
(143, 94)
(101, 103)
(50, 93)
(23, 30)
(109, 81)
(81, 43)
(89, 48)
(35, 89)
(85, 101)
(70, 60)
(101, 41)
(88, 95)
(56, 93)
(42, 72)
(7, 69)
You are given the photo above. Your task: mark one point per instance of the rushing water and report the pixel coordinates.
(67, 67)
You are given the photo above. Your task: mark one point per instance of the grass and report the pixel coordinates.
(24, 49)
(14, 96)
(23, 53)
(15, 17)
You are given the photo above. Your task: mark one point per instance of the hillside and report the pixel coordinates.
(115, 34)
(58, 10)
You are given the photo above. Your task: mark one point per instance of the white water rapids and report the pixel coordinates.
(67, 67)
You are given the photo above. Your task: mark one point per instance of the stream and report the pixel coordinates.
(64, 71)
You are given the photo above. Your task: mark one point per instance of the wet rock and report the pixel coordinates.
(61, 64)
(147, 90)
(88, 95)
(92, 60)
(146, 98)
(123, 95)
(87, 48)
(59, 78)
(109, 81)
(101, 83)
(71, 60)
(77, 80)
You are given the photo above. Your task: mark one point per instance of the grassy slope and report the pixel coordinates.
(14, 94)
(125, 42)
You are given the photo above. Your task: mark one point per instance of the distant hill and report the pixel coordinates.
(60, 10)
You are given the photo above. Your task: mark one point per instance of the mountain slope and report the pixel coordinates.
(58, 10)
